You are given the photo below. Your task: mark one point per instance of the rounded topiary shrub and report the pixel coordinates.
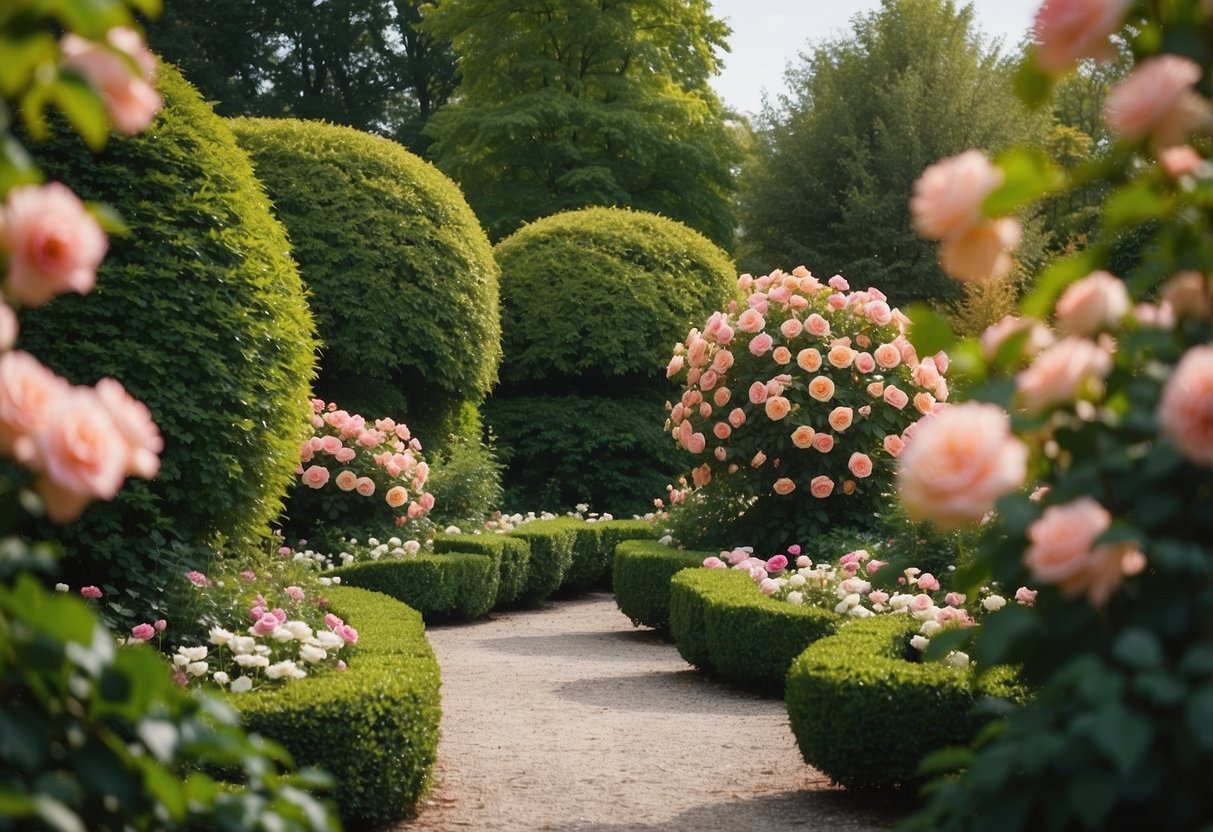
(200, 313)
(591, 303)
(402, 278)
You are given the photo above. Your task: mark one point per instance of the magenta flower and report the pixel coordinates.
(142, 632)
(90, 592)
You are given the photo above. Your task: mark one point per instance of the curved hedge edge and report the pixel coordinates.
(374, 727)
(743, 637)
(551, 543)
(866, 716)
(512, 555)
(450, 585)
(616, 532)
(641, 580)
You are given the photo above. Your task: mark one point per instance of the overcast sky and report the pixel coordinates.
(768, 34)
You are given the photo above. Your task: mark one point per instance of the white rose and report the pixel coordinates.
(336, 579)
(312, 654)
(329, 640)
(194, 654)
(241, 644)
(795, 597)
(283, 670)
(393, 541)
(957, 658)
(180, 660)
(242, 684)
(197, 668)
(220, 636)
(930, 628)
(796, 580)
(251, 660)
(994, 603)
(281, 633)
(299, 630)
(61, 587)
(221, 678)
(919, 643)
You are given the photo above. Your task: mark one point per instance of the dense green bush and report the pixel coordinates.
(200, 312)
(594, 551)
(551, 543)
(403, 281)
(511, 554)
(465, 479)
(615, 532)
(865, 714)
(374, 726)
(451, 585)
(642, 573)
(721, 623)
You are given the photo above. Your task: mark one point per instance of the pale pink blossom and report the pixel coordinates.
(790, 328)
(1185, 409)
(721, 396)
(751, 321)
(876, 389)
(928, 582)
(1024, 596)
(924, 403)
(887, 356)
(758, 392)
(27, 391)
(823, 443)
(809, 360)
(817, 325)
(53, 245)
(675, 366)
(1189, 295)
(1096, 303)
(896, 397)
(982, 252)
(860, 464)
(894, 445)
(130, 98)
(697, 443)
(134, 422)
(90, 592)
(1063, 551)
(1182, 160)
(1066, 31)
(1157, 100)
(315, 476)
(722, 361)
(996, 335)
(761, 344)
(1069, 369)
(9, 327)
(865, 363)
(784, 486)
(737, 417)
(947, 197)
(758, 460)
(142, 632)
(879, 313)
(821, 487)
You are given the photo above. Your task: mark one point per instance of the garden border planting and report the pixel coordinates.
(641, 580)
(594, 551)
(511, 554)
(445, 586)
(551, 543)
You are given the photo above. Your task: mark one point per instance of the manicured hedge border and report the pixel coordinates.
(642, 573)
(551, 543)
(450, 585)
(594, 551)
(375, 726)
(511, 554)
(866, 715)
(722, 624)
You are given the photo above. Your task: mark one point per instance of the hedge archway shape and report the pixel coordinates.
(199, 311)
(402, 278)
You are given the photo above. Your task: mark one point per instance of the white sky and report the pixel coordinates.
(770, 34)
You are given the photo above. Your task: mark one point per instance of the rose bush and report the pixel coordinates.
(801, 400)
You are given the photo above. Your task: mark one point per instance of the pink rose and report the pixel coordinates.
(1063, 550)
(129, 98)
(983, 252)
(821, 487)
(737, 416)
(90, 592)
(876, 389)
(783, 487)
(921, 603)
(821, 388)
(841, 418)
(954, 599)
(134, 422)
(802, 437)
(365, 486)
(337, 419)
(9, 327)
(714, 562)
(1157, 100)
(865, 363)
(1185, 409)
(823, 443)
(1096, 303)
(839, 282)
(751, 321)
(809, 360)
(761, 344)
(887, 356)
(427, 502)
(928, 582)
(315, 476)
(777, 407)
(997, 334)
(960, 462)
(722, 361)
(697, 443)
(697, 352)
(708, 380)
(53, 244)
(781, 355)
(879, 313)
(675, 366)
(1180, 161)
(330, 444)
(926, 374)
(777, 563)
(265, 624)
(396, 496)
(1188, 294)
(1025, 596)
(924, 403)
(790, 328)
(947, 197)
(817, 325)
(860, 465)
(724, 335)
(722, 431)
(758, 460)
(721, 396)
(1062, 373)
(758, 392)
(1066, 31)
(894, 445)
(142, 632)
(294, 593)
(27, 392)
(197, 578)
(161, 625)
(346, 480)
(865, 411)
(895, 397)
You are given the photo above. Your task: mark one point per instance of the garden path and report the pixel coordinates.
(568, 719)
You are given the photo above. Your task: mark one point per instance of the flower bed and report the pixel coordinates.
(641, 579)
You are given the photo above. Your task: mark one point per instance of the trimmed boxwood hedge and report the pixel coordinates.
(551, 543)
(403, 280)
(511, 554)
(451, 585)
(642, 573)
(722, 624)
(199, 311)
(866, 715)
(594, 549)
(374, 727)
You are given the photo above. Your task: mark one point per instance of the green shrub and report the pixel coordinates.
(511, 554)
(615, 532)
(200, 312)
(451, 585)
(865, 714)
(642, 573)
(748, 639)
(551, 543)
(403, 281)
(465, 479)
(374, 726)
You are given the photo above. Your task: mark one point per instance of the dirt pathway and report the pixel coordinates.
(568, 718)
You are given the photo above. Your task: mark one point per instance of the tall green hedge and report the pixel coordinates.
(403, 281)
(200, 312)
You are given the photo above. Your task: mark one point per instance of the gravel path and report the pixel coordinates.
(568, 718)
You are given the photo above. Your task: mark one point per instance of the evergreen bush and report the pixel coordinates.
(642, 573)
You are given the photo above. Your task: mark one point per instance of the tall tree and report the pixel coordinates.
(565, 104)
(829, 180)
(362, 63)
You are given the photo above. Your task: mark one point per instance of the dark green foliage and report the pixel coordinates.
(101, 738)
(200, 312)
(865, 714)
(403, 282)
(551, 543)
(733, 631)
(465, 479)
(451, 585)
(376, 725)
(511, 554)
(594, 550)
(642, 573)
(615, 532)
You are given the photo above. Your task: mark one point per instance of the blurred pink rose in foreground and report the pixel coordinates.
(1063, 551)
(1062, 373)
(983, 252)
(1066, 31)
(1158, 101)
(52, 243)
(129, 97)
(1185, 410)
(947, 197)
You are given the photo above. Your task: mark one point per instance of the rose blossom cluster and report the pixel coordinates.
(382, 456)
(808, 389)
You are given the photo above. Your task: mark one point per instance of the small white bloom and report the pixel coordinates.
(795, 598)
(919, 642)
(241, 644)
(242, 684)
(221, 678)
(197, 668)
(452, 530)
(665, 540)
(282, 634)
(412, 547)
(860, 612)
(957, 658)
(371, 541)
(61, 587)
(796, 580)
(336, 579)
(900, 601)
(328, 639)
(220, 636)
(312, 654)
(930, 628)
(994, 603)
(393, 541)
(262, 650)
(180, 660)
(299, 630)
(251, 660)
(284, 670)
(326, 581)
(194, 654)
(346, 558)
(582, 508)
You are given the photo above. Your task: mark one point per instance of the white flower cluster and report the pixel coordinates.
(247, 656)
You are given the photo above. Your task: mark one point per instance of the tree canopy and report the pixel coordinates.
(832, 170)
(565, 104)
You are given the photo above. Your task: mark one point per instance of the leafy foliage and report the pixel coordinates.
(403, 283)
(511, 554)
(200, 312)
(451, 585)
(642, 573)
(551, 543)
(465, 479)
(576, 103)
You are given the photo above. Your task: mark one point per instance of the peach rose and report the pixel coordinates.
(365, 486)
(790, 328)
(887, 356)
(876, 389)
(1185, 409)
(346, 479)
(720, 453)
(1066, 31)
(841, 418)
(758, 392)
(701, 475)
(705, 410)
(1096, 303)
(879, 313)
(777, 407)
(721, 396)
(781, 355)
(129, 97)
(697, 352)
(722, 431)
(802, 437)
(9, 327)
(784, 486)
(996, 335)
(983, 252)
(823, 443)
(848, 487)
(821, 388)
(821, 487)
(52, 243)
(1062, 373)
(134, 422)
(315, 476)
(865, 363)
(396, 496)
(758, 460)
(860, 465)
(722, 361)
(809, 360)
(841, 356)
(28, 390)
(778, 384)
(1157, 100)
(736, 417)
(817, 325)
(959, 463)
(1062, 540)
(761, 344)
(947, 197)
(693, 375)
(894, 445)
(696, 443)
(751, 321)
(896, 397)
(926, 374)
(924, 403)
(708, 380)
(1188, 294)
(1180, 161)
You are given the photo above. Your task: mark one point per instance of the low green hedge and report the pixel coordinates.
(551, 543)
(615, 532)
(866, 715)
(512, 556)
(374, 727)
(641, 580)
(594, 549)
(723, 625)
(450, 585)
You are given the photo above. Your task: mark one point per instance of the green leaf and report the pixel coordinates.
(81, 105)
(1092, 794)
(946, 761)
(1133, 204)
(945, 641)
(1122, 735)
(1199, 717)
(1002, 634)
(1139, 649)
(1029, 174)
(930, 332)
(1033, 86)
(22, 57)
(24, 739)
